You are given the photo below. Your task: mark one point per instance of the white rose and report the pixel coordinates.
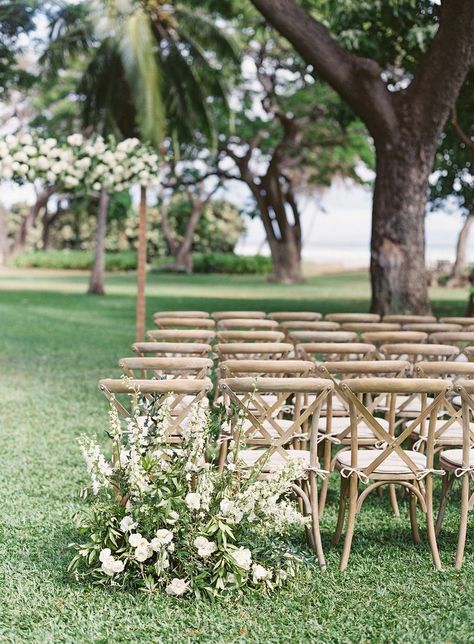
(144, 551)
(75, 139)
(177, 587)
(134, 539)
(164, 535)
(118, 565)
(127, 524)
(204, 547)
(104, 554)
(259, 573)
(97, 186)
(243, 558)
(193, 500)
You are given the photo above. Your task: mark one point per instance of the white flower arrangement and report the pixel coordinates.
(78, 163)
(162, 517)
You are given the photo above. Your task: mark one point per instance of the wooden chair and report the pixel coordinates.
(181, 394)
(181, 314)
(363, 327)
(308, 325)
(391, 337)
(409, 319)
(469, 353)
(431, 327)
(182, 335)
(172, 349)
(247, 324)
(414, 352)
(253, 350)
(246, 315)
(288, 316)
(461, 339)
(297, 337)
(166, 368)
(263, 452)
(332, 351)
(463, 321)
(335, 424)
(352, 317)
(391, 464)
(184, 323)
(250, 336)
(459, 466)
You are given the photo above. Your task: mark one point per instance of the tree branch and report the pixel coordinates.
(459, 132)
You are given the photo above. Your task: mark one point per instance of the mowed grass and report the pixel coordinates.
(55, 343)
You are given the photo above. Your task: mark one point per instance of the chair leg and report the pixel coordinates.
(447, 482)
(315, 528)
(463, 523)
(353, 494)
(430, 522)
(342, 511)
(325, 483)
(222, 456)
(415, 533)
(393, 499)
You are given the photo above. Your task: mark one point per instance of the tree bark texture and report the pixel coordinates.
(96, 282)
(29, 221)
(457, 277)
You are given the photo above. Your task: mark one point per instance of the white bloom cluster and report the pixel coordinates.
(110, 565)
(204, 547)
(79, 164)
(98, 468)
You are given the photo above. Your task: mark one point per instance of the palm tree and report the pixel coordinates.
(150, 69)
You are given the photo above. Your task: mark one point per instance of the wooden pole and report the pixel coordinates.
(141, 268)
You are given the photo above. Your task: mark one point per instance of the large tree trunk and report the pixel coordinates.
(286, 258)
(457, 277)
(96, 282)
(29, 221)
(397, 263)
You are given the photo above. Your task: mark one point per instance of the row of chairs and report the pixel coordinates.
(350, 415)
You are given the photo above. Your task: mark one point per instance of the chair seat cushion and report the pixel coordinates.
(276, 461)
(393, 464)
(453, 457)
(341, 423)
(456, 400)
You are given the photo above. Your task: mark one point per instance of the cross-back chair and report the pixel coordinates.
(414, 352)
(250, 336)
(166, 368)
(403, 319)
(391, 337)
(461, 339)
(391, 464)
(246, 315)
(288, 316)
(352, 317)
(364, 327)
(463, 321)
(332, 351)
(181, 394)
(297, 337)
(335, 425)
(263, 452)
(308, 325)
(181, 314)
(247, 324)
(182, 335)
(171, 349)
(432, 327)
(458, 465)
(253, 350)
(184, 323)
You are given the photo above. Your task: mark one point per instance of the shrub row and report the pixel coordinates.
(231, 264)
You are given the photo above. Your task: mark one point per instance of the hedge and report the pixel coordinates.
(231, 264)
(74, 260)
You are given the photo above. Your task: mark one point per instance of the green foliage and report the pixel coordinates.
(229, 263)
(16, 19)
(74, 260)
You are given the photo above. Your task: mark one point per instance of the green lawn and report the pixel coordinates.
(55, 343)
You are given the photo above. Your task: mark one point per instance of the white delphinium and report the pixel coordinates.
(98, 468)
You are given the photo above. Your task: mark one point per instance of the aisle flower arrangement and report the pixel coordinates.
(159, 516)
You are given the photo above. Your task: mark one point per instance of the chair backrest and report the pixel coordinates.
(246, 315)
(184, 322)
(414, 352)
(353, 317)
(359, 389)
(451, 369)
(363, 369)
(309, 325)
(465, 389)
(249, 324)
(266, 368)
(431, 327)
(324, 351)
(409, 319)
(363, 327)
(391, 337)
(180, 394)
(161, 368)
(250, 336)
(463, 321)
(322, 336)
(263, 428)
(181, 335)
(288, 316)
(170, 349)
(181, 314)
(460, 339)
(253, 350)
(469, 353)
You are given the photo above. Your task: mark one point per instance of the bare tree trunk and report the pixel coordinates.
(457, 277)
(96, 282)
(397, 266)
(4, 241)
(30, 219)
(141, 268)
(286, 259)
